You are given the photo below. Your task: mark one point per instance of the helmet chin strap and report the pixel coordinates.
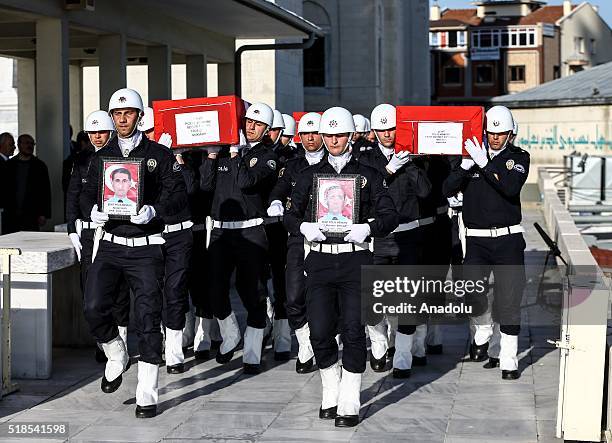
(140, 115)
(346, 148)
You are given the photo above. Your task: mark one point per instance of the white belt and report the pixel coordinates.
(237, 224)
(336, 248)
(407, 226)
(272, 220)
(426, 221)
(178, 227)
(441, 210)
(455, 211)
(494, 232)
(155, 239)
(80, 225)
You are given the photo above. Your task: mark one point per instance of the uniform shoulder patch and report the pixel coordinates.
(253, 162)
(151, 164)
(176, 167)
(271, 164)
(509, 164)
(385, 185)
(364, 182)
(281, 172)
(519, 168)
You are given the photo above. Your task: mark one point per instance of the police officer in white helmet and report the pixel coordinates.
(288, 132)
(280, 198)
(333, 265)
(491, 179)
(239, 179)
(131, 249)
(360, 142)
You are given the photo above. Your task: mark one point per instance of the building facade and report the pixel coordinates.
(508, 46)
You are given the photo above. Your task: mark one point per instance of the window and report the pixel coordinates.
(451, 75)
(557, 72)
(461, 37)
(452, 39)
(504, 38)
(485, 39)
(314, 64)
(593, 47)
(484, 74)
(523, 39)
(517, 73)
(579, 45)
(433, 39)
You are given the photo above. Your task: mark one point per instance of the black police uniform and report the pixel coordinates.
(76, 214)
(333, 279)
(491, 199)
(362, 145)
(239, 187)
(141, 266)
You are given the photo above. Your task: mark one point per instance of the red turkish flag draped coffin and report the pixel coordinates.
(200, 121)
(437, 130)
(297, 116)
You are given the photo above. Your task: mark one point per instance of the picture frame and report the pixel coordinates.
(120, 186)
(335, 204)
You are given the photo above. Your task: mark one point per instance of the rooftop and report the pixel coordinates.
(544, 14)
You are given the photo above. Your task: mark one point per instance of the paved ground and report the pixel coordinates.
(450, 400)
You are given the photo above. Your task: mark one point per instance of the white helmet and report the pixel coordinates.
(260, 112)
(98, 121)
(125, 98)
(383, 117)
(499, 119)
(515, 129)
(309, 122)
(277, 121)
(147, 121)
(368, 126)
(360, 123)
(337, 120)
(289, 125)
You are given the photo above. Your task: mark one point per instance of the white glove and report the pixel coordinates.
(145, 215)
(455, 201)
(312, 232)
(276, 209)
(467, 164)
(213, 149)
(358, 233)
(98, 217)
(477, 152)
(397, 161)
(242, 142)
(76, 243)
(165, 139)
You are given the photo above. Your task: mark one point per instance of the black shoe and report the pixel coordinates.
(419, 361)
(510, 375)
(146, 411)
(227, 357)
(215, 345)
(401, 373)
(478, 352)
(391, 352)
(251, 369)
(202, 355)
(178, 368)
(100, 356)
(434, 349)
(108, 387)
(282, 356)
(306, 367)
(492, 363)
(329, 413)
(347, 421)
(378, 364)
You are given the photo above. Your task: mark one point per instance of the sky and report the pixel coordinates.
(605, 6)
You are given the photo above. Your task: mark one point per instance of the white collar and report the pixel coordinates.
(493, 153)
(340, 161)
(127, 144)
(314, 157)
(386, 151)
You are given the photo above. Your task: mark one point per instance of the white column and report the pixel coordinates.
(196, 75)
(112, 59)
(160, 73)
(75, 75)
(226, 78)
(52, 105)
(26, 96)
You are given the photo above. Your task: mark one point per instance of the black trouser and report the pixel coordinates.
(294, 276)
(456, 249)
(143, 269)
(504, 256)
(246, 251)
(332, 280)
(437, 254)
(121, 304)
(197, 276)
(277, 257)
(178, 257)
(402, 248)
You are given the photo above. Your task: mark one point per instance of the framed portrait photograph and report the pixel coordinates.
(336, 202)
(121, 186)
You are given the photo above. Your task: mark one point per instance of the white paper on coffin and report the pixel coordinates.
(197, 127)
(440, 138)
